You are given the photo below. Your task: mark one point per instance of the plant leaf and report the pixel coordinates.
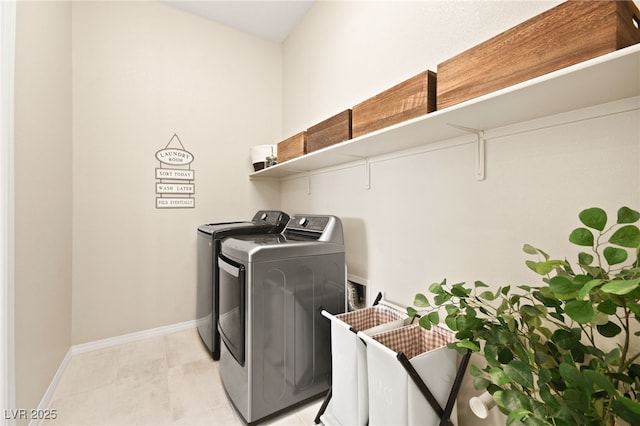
(480, 383)
(561, 285)
(634, 371)
(530, 311)
(626, 409)
(529, 249)
(517, 415)
(411, 312)
(627, 236)
(543, 268)
(615, 255)
(441, 298)
(434, 317)
(425, 322)
(510, 399)
(572, 376)
(580, 311)
(478, 284)
(610, 329)
(467, 324)
(468, 345)
(421, 301)
(451, 323)
(621, 287)
(544, 376)
(600, 381)
(565, 339)
(519, 372)
(531, 265)
(459, 290)
(498, 376)
(635, 308)
(475, 371)
(436, 288)
(613, 357)
(608, 307)
(585, 258)
(452, 310)
(594, 218)
(586, 289)
(581, 237)
(487, 295)
(627, 215)
(577, 400)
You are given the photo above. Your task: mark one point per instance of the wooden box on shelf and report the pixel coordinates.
(409, 99)
(329, 132)
(567, 34)
(292, 147)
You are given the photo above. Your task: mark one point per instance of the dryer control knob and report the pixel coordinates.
(263, 216)
(303, 221)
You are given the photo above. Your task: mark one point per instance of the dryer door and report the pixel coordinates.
(205, 296)
(231, 324)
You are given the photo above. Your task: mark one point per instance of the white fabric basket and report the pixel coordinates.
(349, 404)
(394, 399)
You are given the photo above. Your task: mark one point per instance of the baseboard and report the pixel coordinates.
(48, 395)
(102, 344)
(132, 337)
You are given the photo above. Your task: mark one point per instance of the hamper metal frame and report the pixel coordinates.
(444, 414)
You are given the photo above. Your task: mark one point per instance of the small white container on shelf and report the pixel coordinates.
(260, 154)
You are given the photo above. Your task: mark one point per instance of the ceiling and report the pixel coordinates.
(271, 20)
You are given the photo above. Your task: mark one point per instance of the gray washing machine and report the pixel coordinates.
(210, 237)
(276, 350)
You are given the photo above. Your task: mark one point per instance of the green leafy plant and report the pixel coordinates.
(564, 352)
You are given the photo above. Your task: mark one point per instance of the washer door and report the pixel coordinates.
(231, 323)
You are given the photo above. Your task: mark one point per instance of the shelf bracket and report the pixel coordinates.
(367, 173)
(480, 149)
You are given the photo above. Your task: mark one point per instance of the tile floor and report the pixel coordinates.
(166, 380)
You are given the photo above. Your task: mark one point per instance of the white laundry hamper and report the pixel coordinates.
(348, 400)
(414, 378)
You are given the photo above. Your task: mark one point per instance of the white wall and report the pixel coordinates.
(344, 52)
(425, 217)
(42, 196)
(7, 224)
(143, 71)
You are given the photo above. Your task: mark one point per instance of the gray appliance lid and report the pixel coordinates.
(257, 248)
(305, 235)
(263, 222)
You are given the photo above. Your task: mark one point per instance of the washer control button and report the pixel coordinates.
(303, 221)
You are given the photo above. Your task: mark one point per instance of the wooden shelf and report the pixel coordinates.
(608, 78)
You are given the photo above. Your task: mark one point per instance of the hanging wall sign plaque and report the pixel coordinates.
(174, 157)
(175, 178)
(175, 188)
(175, 203)
(175, 174)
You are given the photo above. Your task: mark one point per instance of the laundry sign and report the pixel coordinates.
(175, 184)
(175, 188)
(172, 156)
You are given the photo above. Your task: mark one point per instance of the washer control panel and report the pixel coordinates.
(270, 217)
(308, 223)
